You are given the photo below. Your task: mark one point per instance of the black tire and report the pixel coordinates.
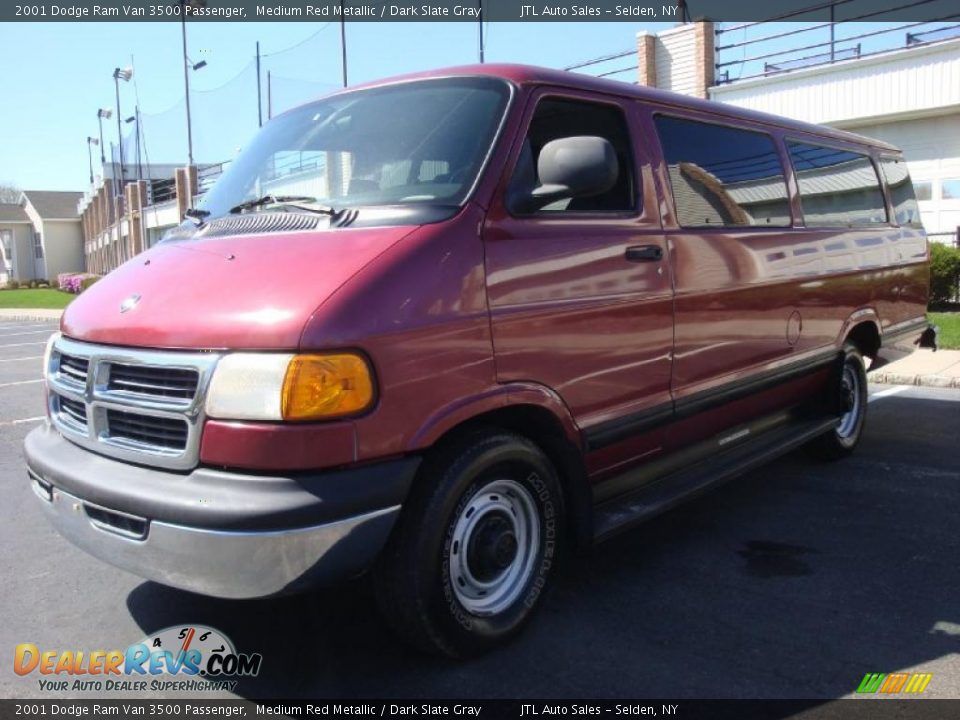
(851, 388)
(415, 575)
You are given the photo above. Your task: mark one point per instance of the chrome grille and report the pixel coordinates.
(144, 406)
(72, 411)
(153, 381)
(147, 429)
(74, 369)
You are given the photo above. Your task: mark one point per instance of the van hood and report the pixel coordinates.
(247, 292)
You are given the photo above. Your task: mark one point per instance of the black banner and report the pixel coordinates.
(856, 709)
(475, 10)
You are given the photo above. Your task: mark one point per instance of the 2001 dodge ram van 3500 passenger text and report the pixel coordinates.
(447, 327)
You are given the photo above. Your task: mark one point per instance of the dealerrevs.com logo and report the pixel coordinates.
(185, 658)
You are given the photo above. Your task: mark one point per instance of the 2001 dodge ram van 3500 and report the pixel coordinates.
(448, 326)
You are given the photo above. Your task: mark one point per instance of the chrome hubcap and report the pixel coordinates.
(494, 547)
(851, 397)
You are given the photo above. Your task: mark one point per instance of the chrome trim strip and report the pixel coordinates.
(97, 397)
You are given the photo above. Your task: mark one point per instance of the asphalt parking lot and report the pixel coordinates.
(793, 581)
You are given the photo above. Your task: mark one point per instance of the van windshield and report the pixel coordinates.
(421, 142)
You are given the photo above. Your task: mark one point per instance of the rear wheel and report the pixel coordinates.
(852, 400)
(475, 546)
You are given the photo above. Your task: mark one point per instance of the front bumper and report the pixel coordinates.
(216, 532)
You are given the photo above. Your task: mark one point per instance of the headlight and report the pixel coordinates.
(47, 352)
(266, 386)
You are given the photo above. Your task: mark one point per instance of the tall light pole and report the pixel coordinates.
(125, 74)
(103, 114)
(135, 118)
(343, 43)
(186, 68)
(91, 141)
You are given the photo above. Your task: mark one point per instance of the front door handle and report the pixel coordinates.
(644, 253)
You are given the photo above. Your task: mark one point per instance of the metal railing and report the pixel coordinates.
(772, 50)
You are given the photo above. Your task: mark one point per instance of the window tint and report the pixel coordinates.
(723, 176)
(554, 119)
(901, 192)
(837, 187)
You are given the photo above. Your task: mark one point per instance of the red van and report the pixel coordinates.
(448, 327)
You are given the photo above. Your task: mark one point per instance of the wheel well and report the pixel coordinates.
(866, 337)
(541, 427)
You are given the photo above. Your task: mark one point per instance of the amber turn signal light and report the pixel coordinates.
(320, 387)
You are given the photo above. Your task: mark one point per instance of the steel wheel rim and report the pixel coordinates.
(500, 508)
(850, 388)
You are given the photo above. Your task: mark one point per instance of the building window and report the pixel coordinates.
(838, 188)
(950, 189)
(6, 241)
(38, 246)
(554, 119)
(901, 192)
(723, 176)
(924, 190)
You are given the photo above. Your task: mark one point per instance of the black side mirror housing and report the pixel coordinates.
(570, 167)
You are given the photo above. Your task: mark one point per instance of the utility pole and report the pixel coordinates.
(480, 4)
(186, 79)
(259, 101)
(343, 43)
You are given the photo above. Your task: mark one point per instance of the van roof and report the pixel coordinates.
(529, 74)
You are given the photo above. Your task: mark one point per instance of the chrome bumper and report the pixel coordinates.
(218, 532)
(215, 562)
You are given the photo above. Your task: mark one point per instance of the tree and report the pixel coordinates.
(9, 193)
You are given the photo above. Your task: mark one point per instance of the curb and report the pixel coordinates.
(39, 315)
(937, 381)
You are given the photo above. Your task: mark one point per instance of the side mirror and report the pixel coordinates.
(572, 167)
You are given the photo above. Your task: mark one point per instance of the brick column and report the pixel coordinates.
(136, 193)
(704, 38)
(184, 199)
(646, 59)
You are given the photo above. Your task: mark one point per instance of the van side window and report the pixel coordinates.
(554, 119)
(902, 196)
(723, 176)
(838, 188)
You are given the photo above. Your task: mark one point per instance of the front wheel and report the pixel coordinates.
(475, 546)
(852, 390)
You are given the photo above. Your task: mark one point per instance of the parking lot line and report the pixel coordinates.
(22, 345)
(31, 332)
(31, 357)
(20, 382)
(5, 331)
(22, 421)
(887, 393)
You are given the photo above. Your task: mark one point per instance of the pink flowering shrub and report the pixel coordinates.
(75, 282)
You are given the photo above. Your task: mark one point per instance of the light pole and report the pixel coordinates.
(90, 142)
(186, 68)
(119, 75)
(135, 118)
(103, 114)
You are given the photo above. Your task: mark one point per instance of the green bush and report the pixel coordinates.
(34, 284)
(944, 272)
(12, 284)
(88, 281)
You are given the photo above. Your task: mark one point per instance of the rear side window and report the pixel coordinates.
(723, 176)
(838, 188)
(902, 197)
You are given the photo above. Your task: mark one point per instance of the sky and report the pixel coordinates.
(59, 74)
(65, 74)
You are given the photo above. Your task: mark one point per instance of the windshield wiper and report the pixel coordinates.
(198, 216)
(295, 201)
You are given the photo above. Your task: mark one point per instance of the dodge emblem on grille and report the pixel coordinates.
(129, 303)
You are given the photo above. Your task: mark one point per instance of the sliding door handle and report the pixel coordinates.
(644, 253)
